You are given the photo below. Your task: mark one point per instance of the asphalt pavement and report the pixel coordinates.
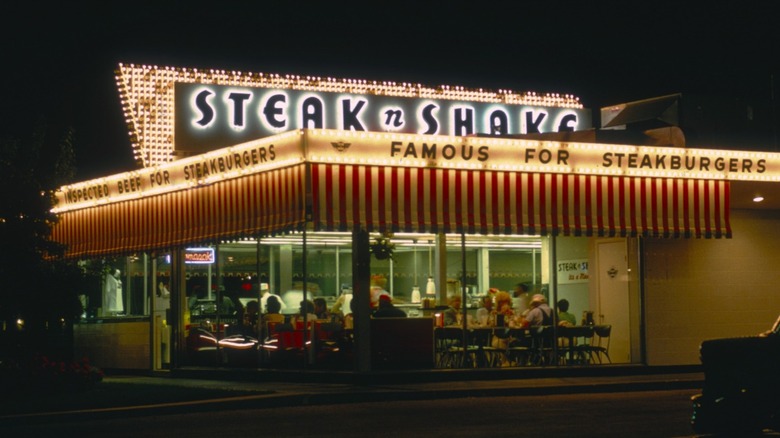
(268, 389)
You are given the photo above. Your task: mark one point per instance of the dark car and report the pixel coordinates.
(741, 392)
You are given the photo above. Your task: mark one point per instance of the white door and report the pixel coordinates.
(613, 300)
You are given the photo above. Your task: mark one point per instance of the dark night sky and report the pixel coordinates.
(60, 58)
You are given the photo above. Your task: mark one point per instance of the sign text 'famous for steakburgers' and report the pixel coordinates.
(422, 151)
(563, 157)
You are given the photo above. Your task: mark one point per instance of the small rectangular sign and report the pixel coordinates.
(199, 256)
(573, 271)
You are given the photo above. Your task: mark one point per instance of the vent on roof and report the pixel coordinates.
(657, 112)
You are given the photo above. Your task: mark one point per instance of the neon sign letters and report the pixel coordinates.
(199, 256)
(211, 116)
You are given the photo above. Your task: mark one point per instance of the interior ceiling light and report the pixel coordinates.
(758, 198)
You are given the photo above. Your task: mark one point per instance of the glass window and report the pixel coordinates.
(161, 312)
(119, 287)
(597, 277)
(222, 280)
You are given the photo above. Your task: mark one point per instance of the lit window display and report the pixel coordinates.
(226, 287)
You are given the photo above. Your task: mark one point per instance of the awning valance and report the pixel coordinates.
(503, 202)
(393, 182)
(262, 203)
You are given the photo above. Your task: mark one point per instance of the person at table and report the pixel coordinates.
(505, 313)
(228, 304)
(341, 307)
(375, 293)
(564, 317)
(503, 316)
(246, 320)
(349, 317)
(273, 310)
(486, 314)
(377, 289)
(540, 314)
(307, 308)
(265, 295)
(520, 298)
(452, 313)
(321, 308)
(195, 300)
(386, 309)
(252, 316)
(272, 316)
(323, 314)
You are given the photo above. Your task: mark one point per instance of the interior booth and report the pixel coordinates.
(184, 252)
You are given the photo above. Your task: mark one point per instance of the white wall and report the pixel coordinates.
(697, 289)
(574, 248)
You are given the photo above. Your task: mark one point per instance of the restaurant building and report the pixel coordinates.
(310, 187)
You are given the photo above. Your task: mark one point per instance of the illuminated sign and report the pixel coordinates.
(429, 151)
(262, 155)
(218, 108)
(209, 115)
(481, 153)
(199, 256)
(572, 271)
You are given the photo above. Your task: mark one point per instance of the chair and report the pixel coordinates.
(574, 344)
(481, 351)
(202, 346)
(276, 339)
(449, 349)
(269, 329)
(600, 346)
(519, 343)
(286, 345)
(328, 334)
(285, 334)
(328, 339)
(542, 351)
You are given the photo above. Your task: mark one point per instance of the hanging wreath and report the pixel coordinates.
(382, 248)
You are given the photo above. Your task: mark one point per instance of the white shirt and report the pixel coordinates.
(112, 295)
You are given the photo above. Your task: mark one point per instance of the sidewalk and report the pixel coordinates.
(486, 385)
(258, 389)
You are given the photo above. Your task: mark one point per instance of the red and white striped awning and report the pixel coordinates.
(262, 203)
(402, 199)
(502, 202)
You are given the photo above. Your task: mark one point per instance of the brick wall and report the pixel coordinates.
(697, 289)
